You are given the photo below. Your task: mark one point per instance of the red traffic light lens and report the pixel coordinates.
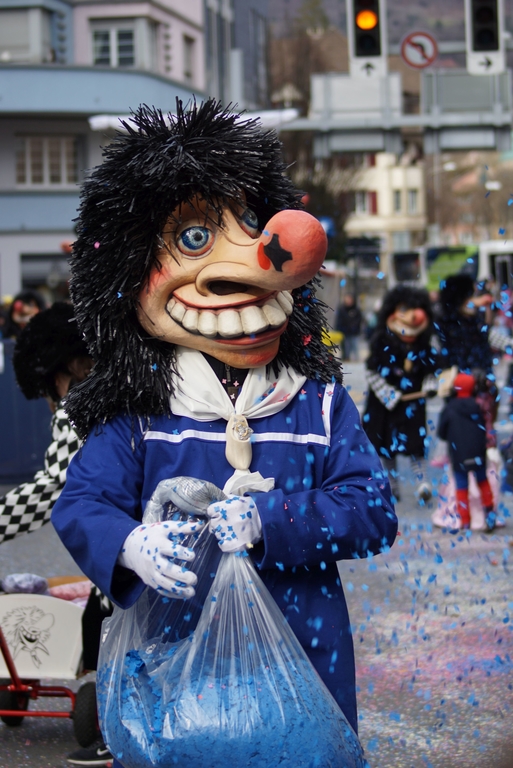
(366, 20)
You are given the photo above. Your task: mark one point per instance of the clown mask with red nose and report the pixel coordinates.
(408, 322)
(191, 235)
(222, 286)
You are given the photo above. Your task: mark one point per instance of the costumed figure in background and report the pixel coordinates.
(193, 279)
(401, 371)
(348, 320)
(467, 341)
(24, 307)
(50, 358)
(461, 424)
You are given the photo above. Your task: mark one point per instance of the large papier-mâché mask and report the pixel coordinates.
(408, 322)
(222, 286)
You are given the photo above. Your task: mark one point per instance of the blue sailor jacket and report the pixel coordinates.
(331, 501)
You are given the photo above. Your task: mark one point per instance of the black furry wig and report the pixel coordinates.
(46, 346)
(160, 162)
(455, 291)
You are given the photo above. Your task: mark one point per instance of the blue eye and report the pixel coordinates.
(249, 223)
(195, 241)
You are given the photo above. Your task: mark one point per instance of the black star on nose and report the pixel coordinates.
(276, 254)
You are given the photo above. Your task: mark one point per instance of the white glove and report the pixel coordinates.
(235, 522)
(151, 551)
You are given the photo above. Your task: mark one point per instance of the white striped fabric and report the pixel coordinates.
(385, 393)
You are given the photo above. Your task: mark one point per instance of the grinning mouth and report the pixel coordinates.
(232, 323)
(406, 332)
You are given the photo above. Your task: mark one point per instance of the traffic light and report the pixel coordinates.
(484, 23)
(367, 32)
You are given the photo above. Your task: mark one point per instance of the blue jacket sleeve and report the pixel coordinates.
(349, 515)
(100, 506)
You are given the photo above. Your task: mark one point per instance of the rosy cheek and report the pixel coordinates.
(158, 281)
(263, 261)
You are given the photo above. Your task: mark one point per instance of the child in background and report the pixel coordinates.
(462, 424)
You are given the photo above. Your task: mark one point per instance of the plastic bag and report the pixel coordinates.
(235, 687)
(29, 583)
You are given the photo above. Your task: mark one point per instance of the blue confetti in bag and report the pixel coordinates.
(216, 680)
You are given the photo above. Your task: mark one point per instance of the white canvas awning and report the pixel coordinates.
(269, 118)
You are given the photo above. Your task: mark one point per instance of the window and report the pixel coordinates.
(114, 46)
(397, 201)
(14, 35)
(412, 201)
(360, 202)
(401, 241)
(189, 45)
(373, 203)
(47, 161)
(366, 202)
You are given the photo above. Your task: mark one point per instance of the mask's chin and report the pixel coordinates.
(236, 356)
(405, 332)
(469, 310)
(252, 358)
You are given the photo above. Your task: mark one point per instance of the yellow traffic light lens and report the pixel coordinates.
(366, 20)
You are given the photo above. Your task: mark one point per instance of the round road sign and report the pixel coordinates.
(419, 49)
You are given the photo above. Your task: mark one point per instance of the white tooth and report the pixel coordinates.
(177, 311)
(253, 320)
(190, 320)
(229, 324)
(285, 301)
(274, 314)
(288, 297)
(207, 324)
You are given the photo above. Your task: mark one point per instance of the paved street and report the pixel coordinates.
(432, 622)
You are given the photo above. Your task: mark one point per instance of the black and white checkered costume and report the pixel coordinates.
(29, 506)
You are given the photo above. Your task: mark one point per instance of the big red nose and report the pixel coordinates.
(419, 317)
(292, 243)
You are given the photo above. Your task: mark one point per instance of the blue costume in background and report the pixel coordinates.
(331, 502)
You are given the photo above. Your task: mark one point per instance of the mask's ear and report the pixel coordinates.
(76, 371)
(80, 368)
(62, 381)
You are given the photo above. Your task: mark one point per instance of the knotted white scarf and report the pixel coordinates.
(199, 394)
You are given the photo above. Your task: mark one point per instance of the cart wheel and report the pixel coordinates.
(85, 715)
(11, 700)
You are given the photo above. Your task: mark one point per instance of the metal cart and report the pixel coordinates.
(41, 638)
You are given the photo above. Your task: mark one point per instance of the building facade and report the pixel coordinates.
(62, 63)
(390, 203)
(236, 41)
